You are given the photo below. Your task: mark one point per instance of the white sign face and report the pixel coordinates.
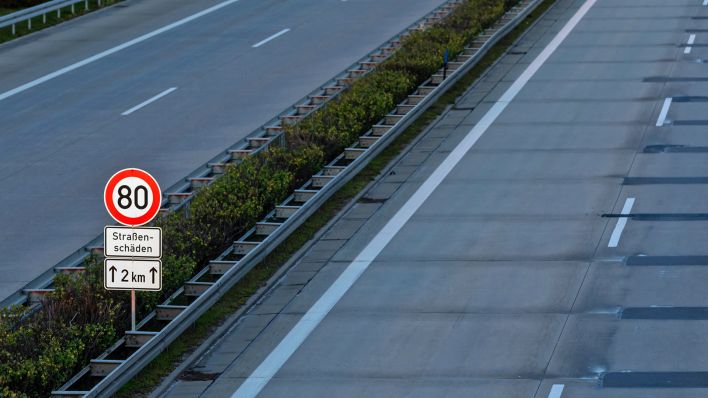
(132, 197)
(132, 242)
(122, 274)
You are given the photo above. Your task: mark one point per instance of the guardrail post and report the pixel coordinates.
(59, 13)
(86, 5)
(29, 24)
(44, 18)
(13, 29)
(73, 8)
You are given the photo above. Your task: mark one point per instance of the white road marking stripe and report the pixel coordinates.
(269, 38)
(148, 102)
(691, 40)
(705, 2)
(113, 50)
(664, 111)
(557, 389)
(253, 385)
(621, 223)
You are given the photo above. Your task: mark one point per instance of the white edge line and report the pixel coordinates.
(664, 112)
(258, 379)
(621, 223)
(148, 102)
(705, 2)
(113, 50)
(556, 391)
(269, 38)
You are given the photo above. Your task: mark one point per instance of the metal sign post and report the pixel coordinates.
(445, 59)
(132, 197)
(132, 310)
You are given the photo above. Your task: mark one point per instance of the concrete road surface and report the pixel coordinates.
(563, 255)
(64, 137)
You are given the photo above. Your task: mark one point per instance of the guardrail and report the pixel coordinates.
(232, 265)
(41, 10)
(180, 194)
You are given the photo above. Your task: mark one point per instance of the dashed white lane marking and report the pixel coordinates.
(705, 2)
(691, 40)
(113, 50)
(269, 38)
(148, 102)
(260, 377)
(621, 223)
(557, 389)
(664, 112)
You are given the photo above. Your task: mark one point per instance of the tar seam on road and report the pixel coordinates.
(260, 377)
(150, 101)
(556, 391)
(269, 38)
(621, 222)
(664, 112)
(691, 40)
(113, 50)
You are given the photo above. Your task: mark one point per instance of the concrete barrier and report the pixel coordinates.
(237, 154)
(353, 153)
(242, 247)
(303, 195)
(136, 339)
(366, 141)
(102, 367)
(266, 228)
(168, 312)
(319, 181)
(195, 289)
(220, 267)
(285, 212)
(257, 142)
(380, 129)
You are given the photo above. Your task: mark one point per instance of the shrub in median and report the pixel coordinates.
(235, 202)
(342, 121)
(40, 351)
(75, 323)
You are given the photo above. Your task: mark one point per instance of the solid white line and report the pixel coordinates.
(252, 386)
(621, 222)
(113, 50)
(150, 101)
(705, 2)
(664, 112)
(557, 389)
(269, 38)
(691, 40)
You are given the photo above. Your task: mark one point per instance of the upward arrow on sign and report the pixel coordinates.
(113, 270)
(153, 271)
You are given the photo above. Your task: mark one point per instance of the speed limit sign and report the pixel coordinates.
(132, 197)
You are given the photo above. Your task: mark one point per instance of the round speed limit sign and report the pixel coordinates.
(132, 197)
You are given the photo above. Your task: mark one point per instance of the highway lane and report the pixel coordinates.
(63, 138)
(506, 282)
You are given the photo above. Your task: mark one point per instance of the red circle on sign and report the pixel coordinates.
(148, 181)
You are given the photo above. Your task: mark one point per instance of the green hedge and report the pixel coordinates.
(20, 3)
(38, 352)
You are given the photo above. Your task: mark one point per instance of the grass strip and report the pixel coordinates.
(166, 362)
(38, 22)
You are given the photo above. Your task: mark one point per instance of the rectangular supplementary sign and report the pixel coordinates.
(132, 242)
(124, 274)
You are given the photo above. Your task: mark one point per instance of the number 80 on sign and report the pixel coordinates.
(132, 197)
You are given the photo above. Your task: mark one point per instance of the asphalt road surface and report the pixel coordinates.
(64, 132)
(562, 256)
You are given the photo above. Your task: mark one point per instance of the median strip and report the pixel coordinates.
(246, 191)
